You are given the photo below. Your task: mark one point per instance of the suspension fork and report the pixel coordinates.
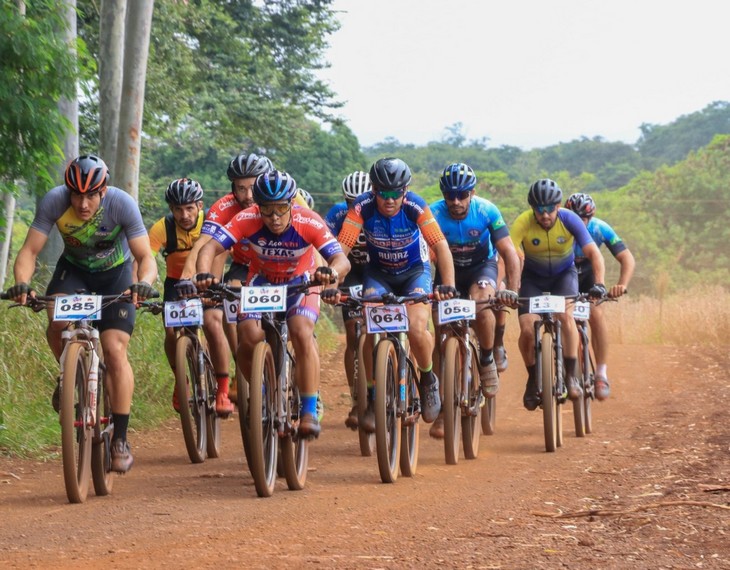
(400, 344)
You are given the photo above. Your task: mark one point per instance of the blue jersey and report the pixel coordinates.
(335, 217)
(472, 240)
(601, 233)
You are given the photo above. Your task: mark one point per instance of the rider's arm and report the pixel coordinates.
(210, 250)
(145, 261)
(25, 261)
(594, 255)
(188, 269)
(627, 263)
(508, 255)
(444, 262)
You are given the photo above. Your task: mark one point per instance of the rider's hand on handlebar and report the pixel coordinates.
(204, 280)
(326, 276)
(443, 292)
(185, 288)
(19, 292)
(598, 291)
(141, 291)
(617, 291)
(331, 295)
(507, 298)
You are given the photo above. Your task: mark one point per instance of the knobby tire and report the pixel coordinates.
(192, 406)
(451, 408)
(263, 438)
(469, 429)
(387, 422)
(101, 472)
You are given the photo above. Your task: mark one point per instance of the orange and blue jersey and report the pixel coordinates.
(548, 253)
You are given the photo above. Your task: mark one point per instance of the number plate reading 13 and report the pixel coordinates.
(582, 311)
(547, 304)
(77, 307)
(263, 299)
(386, 318)
(455, 310)
(184, 313)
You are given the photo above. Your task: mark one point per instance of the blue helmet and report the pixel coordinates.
(274, 186)
(457, 177)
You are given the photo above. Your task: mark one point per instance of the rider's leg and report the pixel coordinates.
(219, 356)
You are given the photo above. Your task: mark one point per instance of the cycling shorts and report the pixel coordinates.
(415, 281)
(566, 283)
(468, 276)
(237, 271)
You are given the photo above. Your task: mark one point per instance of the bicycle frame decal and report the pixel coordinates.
(270, 299)
(386, 318)
(77, 308)
(184, 313)
(547, 304)
(455, 310)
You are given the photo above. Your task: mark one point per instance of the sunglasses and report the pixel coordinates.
(390, 194)
(460, 195)
(549, 209)
(278, 210)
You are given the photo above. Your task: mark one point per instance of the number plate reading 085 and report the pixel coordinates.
(386, 318)
(77, 307)
(184, 313)
(455, 310)
(263, 299)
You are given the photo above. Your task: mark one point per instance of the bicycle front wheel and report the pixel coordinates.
(366, 439)
(451, 407)
(550, 409)
(76, 431)
(387, 421)
(101, 459)
(262, 436)
(410, 433)
(294, 449)
(579, 410)
(242, 387)
(212, 420)
(469, 424)
(189, 395)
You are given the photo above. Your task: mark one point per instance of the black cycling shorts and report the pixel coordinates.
(535, 285)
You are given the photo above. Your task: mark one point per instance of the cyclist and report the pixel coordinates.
(476, 232)
(103, 231)
(282, 238)
(399, 228)
(307, 197)
(602, 233)
(544, 236)
(174, 235)
(353, 185)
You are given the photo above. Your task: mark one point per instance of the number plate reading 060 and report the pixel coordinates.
(77, 307)
(455, 310)
(547, 304)
(184, 313)
(386, 318)
(263, 299)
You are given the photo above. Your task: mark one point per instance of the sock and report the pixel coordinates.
(531, 374)
(121, 421)
(223, 382)
(571, 367)
(499, 335)
(309, 404)
(485, 356)
(426, 370)
(601, 370)
(371, 391)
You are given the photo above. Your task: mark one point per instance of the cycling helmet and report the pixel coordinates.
(86, 174)
(307, 198)
(248, 165)
(274, 186)
(183, 191)
(390, 174)
(582, 204)
(457, 177)
(544, 192)
(355, 184)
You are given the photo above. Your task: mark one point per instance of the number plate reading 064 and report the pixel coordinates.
(547, 304)
(455, 310)
(263, 299)
(77, 307)
(184, 313)
(386, 318)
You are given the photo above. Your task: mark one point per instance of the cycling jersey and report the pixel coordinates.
(280, 258)
(471, 240)
(100, 243)
(334, 219)
(601, 233)
(395, 244)
(549, 253)
(185, 240)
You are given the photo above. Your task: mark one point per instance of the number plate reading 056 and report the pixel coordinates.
(547, 304)
(386, 318)
(263, 299)
(455, 310)
(77, 307)
(184, 313)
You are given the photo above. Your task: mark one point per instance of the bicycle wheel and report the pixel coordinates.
(366, 440)
(101, 459)
(410, 433)
(579, 404)
(387, 421)
(212, 420)
(192, 405)
(242, 387)
(294, 449)
(589, 387)
(262, 435)
(76, 432)
(450, 407)
(489, 416)
(549, 401)
(469, 429)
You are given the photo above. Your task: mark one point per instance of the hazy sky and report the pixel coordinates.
(527, 73)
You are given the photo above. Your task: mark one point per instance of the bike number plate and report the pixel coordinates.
(547, 304)
(270, 299)
(582, 311)
(231, 310)
(356, 291)
(386, 318)
(184, 313)
(77, 307)
(456, 310)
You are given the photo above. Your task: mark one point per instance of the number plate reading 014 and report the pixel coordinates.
(386, 318)
(184, 313)
(547, 304)
(456, 310)
(77, 307)
(582, 311)
(263, 299)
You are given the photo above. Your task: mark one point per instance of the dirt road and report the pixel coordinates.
(656, 472)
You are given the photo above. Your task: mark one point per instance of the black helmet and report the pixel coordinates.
(183, 191)
(86, 174)
(544, 192)
(457, 177)
(582, 204)
(248, 165)
(390, 174)
(274, 186)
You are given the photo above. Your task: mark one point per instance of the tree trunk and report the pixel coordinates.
(7, 238)
(111, 58)
(136, 49)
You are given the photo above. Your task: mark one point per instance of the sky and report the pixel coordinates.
(526, 73)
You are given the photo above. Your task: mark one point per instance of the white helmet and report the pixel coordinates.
(355, 184)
